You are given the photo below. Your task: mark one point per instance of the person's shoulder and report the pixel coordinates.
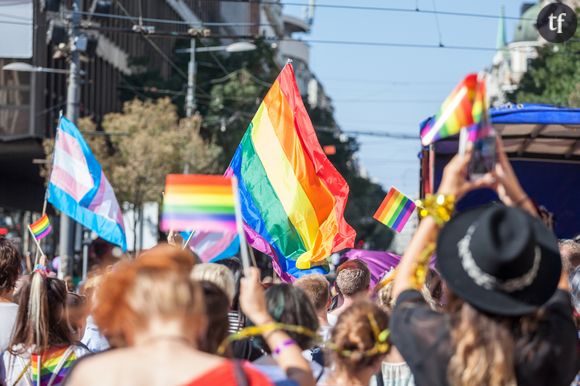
(85, 368)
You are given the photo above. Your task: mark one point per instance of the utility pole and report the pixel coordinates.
(66, 245)
(190, 97)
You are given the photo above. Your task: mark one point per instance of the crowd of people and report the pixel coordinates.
(499, 307)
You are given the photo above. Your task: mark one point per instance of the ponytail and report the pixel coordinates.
(41, 321)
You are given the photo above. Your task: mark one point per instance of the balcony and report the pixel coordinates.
(296, 50)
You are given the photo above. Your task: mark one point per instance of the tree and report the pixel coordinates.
(144, 143)
(553, 77)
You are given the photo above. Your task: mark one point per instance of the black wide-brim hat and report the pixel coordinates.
(501, 260)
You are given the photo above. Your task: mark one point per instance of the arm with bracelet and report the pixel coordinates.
(437, 210)
(287, 353)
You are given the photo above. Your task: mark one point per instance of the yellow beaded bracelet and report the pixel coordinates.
(438, 206)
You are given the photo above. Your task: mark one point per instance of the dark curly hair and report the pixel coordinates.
(10, 265)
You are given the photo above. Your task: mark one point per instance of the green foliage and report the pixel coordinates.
(553, 77)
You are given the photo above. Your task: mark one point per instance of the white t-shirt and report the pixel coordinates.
(8, 313)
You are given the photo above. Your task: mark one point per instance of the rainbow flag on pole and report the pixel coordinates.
(41, 227)
(292, 198)
(395, 210)
(464, 107)
(198, 202)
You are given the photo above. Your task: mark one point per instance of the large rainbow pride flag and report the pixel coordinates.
(292, 197)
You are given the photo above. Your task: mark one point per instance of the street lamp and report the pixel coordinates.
(27, 67)
(232, 48)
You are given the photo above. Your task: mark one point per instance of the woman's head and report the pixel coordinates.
(217, 274)
(41, 321)
(290, 305)
(501, 260)
(154, 289)
(217, 305)
(359, 339)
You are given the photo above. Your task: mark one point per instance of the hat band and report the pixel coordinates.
(490, 282)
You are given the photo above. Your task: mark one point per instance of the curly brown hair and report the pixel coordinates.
(10, 265)
(353, 333)
(353, 277)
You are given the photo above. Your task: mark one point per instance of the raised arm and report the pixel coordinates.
(289, 355)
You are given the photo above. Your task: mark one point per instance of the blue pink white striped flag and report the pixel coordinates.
(78, 187)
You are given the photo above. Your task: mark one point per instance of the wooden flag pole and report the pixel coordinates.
(246, 264)
(37, 245)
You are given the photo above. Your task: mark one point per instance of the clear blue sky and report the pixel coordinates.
(363, 81)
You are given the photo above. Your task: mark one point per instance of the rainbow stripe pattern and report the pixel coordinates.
(49, 360)
(41, 227)
(395, 210)
(459, 110)
(292, 198)
(198, 202)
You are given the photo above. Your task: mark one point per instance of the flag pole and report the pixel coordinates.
(246, 264)
(37, 245)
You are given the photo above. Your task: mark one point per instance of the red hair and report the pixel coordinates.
(156, 284)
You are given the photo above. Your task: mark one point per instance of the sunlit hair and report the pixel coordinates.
(386, 301)
(10, 265)
(41, 321)
(316, 288)
(155, 286)
(217, 274)
(354, 333)
(485, 345)
(353, 277)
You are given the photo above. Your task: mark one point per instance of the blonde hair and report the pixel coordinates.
(217, 274)
(316, 288)
(484, 349)
(386, 301)
(152, 286)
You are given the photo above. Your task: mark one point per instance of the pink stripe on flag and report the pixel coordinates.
(64, 181)
(69, 144)
(208, 245)
(185, 225)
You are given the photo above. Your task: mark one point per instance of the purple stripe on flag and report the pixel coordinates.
(404, 215)
(44, 233)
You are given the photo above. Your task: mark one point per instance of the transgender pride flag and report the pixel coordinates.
(78, 187)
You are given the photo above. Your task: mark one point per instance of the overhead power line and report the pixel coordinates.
(386, 9)
(394, 44)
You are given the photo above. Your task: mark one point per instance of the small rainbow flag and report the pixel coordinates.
(48, 362)
(198, 202)
(459, 110)
(41, 228)
(395, 210)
